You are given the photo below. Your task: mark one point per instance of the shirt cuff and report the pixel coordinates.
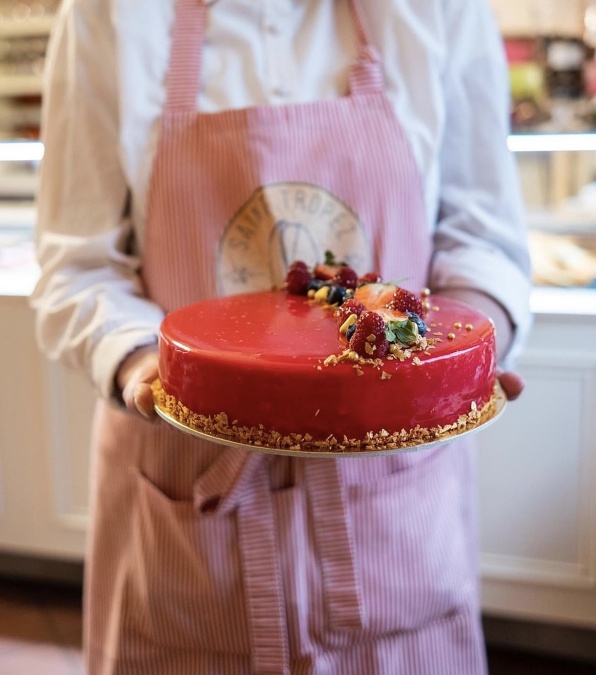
(495, 276)
(109, 354)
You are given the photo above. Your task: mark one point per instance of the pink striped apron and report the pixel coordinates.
(212, 560)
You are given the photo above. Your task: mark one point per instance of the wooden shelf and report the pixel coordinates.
(20, 85)
(28, 27)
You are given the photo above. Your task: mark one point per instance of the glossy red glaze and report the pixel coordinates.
(259, 358)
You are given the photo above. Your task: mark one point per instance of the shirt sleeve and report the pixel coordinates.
(481, 236)
(89, 302)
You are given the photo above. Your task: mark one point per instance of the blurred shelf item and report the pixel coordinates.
(25, 27)
(564, 261)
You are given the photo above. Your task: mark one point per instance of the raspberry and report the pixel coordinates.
(346, 276)
(350, 306)
(369, 339)
(298, 265)
(297, 279)
(369, 278)
(405, 301)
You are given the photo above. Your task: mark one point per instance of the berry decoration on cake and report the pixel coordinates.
(375, 319)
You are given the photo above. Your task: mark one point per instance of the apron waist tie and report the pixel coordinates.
(238, 481)
(335, 543)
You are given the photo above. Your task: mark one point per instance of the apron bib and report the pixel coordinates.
(207, 559)
(237, 195)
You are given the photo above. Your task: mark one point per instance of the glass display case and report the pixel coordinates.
(19, 162)
(551, 53)
(558, 175)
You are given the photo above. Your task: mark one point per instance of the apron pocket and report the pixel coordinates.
(185, 580)
(410, 543)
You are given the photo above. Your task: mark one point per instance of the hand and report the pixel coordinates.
(511, 383)
(134, 379)
(490, 307)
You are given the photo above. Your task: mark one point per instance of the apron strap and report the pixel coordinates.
(263, 584)
(366, 75)
(188, 36)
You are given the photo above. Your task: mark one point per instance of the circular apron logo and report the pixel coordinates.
(281, 223)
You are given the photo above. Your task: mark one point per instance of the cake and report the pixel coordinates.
(278, 370)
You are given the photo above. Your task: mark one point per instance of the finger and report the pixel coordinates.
(143, 400)
(512, 384)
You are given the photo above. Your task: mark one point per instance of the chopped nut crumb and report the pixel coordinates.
(218, 426)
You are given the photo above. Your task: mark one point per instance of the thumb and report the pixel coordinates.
(143, 400)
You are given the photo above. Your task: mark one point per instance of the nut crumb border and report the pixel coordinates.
(220, 427)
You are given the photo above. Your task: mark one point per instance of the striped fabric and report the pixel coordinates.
(215, 561)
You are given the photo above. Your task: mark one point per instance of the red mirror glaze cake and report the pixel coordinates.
(283, 369)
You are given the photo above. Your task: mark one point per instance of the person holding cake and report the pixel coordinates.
(195, 149)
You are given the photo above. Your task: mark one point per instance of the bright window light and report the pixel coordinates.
(21, 151)
(551, 142)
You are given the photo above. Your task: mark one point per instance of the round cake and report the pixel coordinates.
(276, 370)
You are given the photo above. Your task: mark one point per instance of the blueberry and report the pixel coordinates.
(418, 321)
(351, 330)
(315, 284)
(337, 294)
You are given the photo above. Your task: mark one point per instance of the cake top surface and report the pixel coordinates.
(276, 326)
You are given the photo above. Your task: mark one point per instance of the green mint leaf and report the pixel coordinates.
(405, 332)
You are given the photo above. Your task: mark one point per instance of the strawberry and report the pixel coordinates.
(369, 278)
(329, 268)
(298, 278)
(405, 301)
(350, 306)
(375, 295)
(369, 339)
(391, 314)
(325, 272)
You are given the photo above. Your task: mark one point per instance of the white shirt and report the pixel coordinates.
(104, 93)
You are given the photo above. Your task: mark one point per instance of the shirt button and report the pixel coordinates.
(272, 28)
(281, 92)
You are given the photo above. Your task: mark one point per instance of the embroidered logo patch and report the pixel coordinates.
(283, 222)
